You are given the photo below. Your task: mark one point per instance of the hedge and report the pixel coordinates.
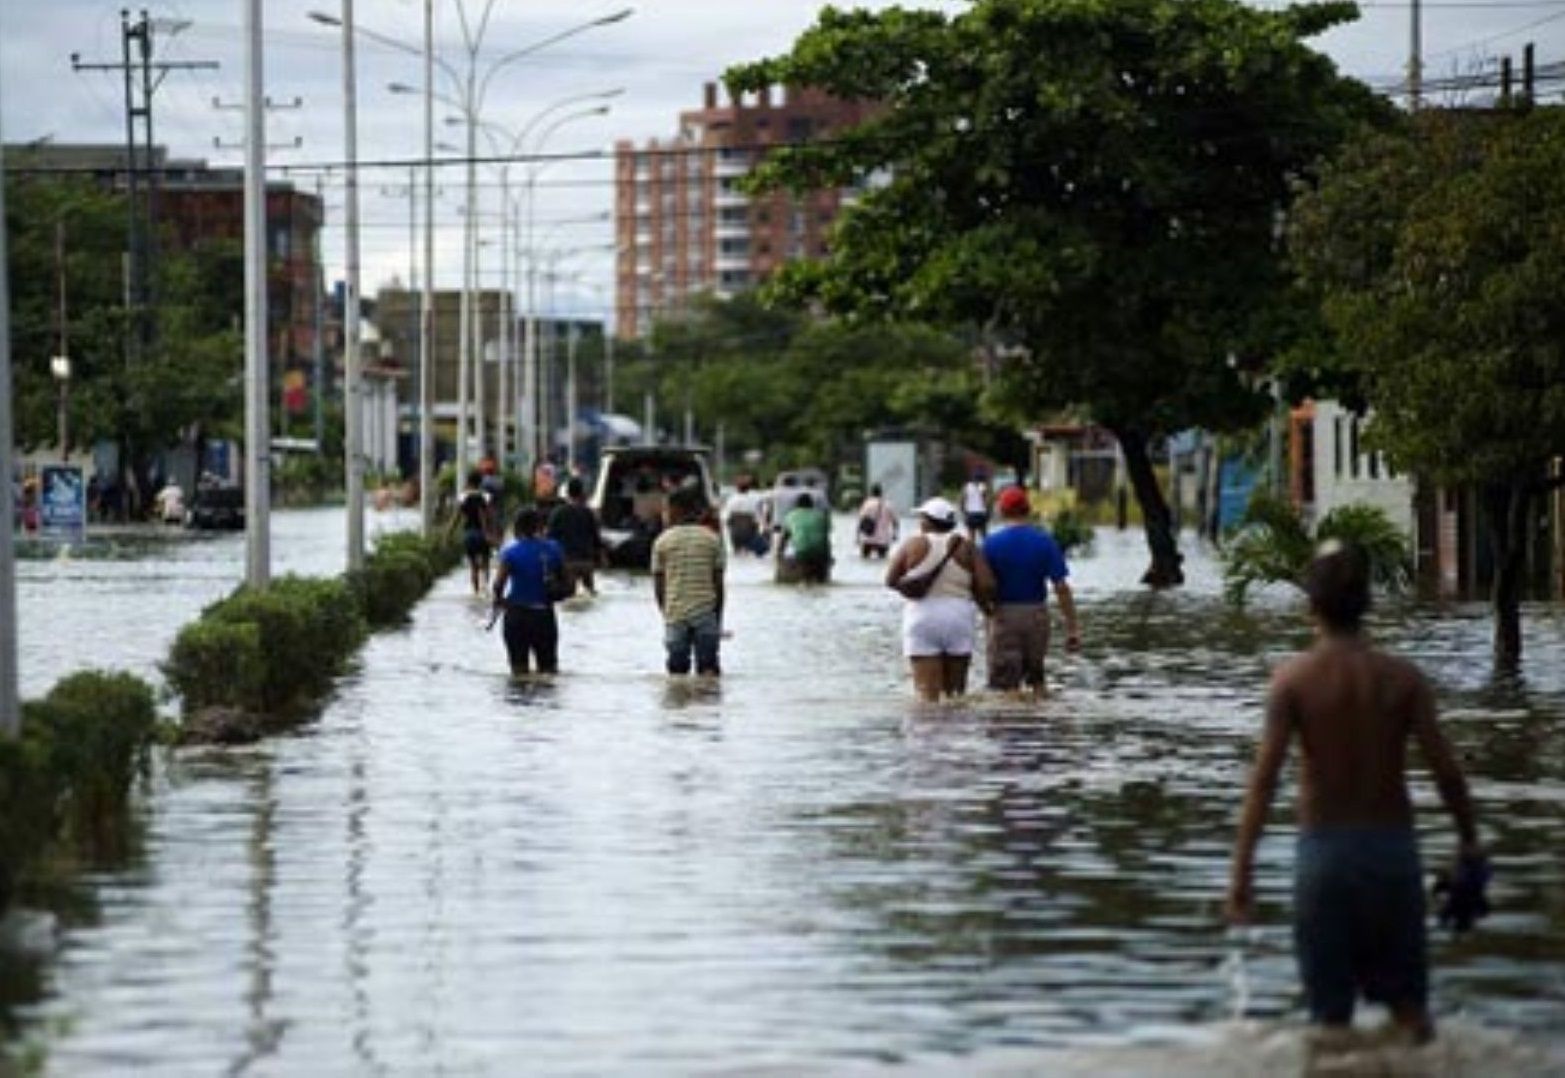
(275, 651)
(66, 777)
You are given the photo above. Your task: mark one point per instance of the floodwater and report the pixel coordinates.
(795, 870)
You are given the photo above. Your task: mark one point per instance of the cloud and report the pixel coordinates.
(661, 56)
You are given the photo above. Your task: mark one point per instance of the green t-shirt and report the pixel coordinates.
(809, 531)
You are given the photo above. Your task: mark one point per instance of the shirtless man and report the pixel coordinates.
(1358, 887)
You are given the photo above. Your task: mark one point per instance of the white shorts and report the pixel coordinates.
(938, 625)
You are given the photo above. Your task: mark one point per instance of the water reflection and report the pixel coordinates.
(793, 868)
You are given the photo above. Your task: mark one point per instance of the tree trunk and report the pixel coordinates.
(1162, 542)
(1507, 506)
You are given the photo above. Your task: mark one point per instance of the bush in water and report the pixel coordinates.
(68, 774)
(305, 630)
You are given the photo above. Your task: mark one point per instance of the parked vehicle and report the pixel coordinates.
(632, 492)
(217, 507)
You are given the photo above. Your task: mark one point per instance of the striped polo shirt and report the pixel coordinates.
(689, 557)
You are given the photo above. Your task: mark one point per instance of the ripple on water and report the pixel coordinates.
(793, 870)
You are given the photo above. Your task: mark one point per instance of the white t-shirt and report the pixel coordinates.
(975, 497)
(744, 503)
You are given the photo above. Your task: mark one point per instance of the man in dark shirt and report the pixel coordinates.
(476, 515)
(575, 527)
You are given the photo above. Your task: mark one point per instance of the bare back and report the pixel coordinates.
(1354, 709)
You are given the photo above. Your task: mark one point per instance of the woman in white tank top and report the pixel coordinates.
(938, 629)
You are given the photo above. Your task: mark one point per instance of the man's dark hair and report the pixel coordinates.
(575, 488)
(1337, 583)
(527, 522)
(474, 477)
(874, 490)
(805, 502)
(687, 502)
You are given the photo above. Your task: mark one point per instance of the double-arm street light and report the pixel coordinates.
(518, 145)
(473, 92)
(471, 88)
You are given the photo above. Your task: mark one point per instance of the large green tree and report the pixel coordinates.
(183, 388)
(1097, 181)
(805, 390)
(1438, 255)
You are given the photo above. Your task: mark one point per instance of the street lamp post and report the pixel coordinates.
(471, 91)
(426, 337)
(257, 427)
(353, 408)
(10, 706)
(60, 367)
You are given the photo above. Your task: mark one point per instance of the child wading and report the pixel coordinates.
(1358, 889)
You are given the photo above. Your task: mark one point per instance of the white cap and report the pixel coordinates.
(939, 510)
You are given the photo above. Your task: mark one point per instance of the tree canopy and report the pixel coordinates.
(1437, 255)
(188, 381)
(805, 390)
(1097, 181)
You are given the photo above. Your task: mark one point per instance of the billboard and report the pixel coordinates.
(62, 501)
(894, 465)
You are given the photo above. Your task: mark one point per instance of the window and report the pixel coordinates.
(1336, 447)
(1374, 465)
(1353, 447)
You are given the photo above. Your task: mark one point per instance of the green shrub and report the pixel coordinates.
(69, 772)
(389, 584)
(1273, 545)
(1072, 532)
(305, 630)
(215, 663)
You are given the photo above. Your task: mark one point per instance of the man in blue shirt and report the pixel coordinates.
(1025, 560)
(522, 587)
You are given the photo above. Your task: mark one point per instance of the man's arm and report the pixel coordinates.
(984, 586)
(1269, 758)
(502, 574)
(1067, 598)
(1441, 760)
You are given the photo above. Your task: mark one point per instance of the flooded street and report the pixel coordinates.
(798, 869)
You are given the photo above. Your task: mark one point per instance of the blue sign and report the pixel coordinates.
(62, 501)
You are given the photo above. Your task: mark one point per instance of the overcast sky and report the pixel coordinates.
(661, 56)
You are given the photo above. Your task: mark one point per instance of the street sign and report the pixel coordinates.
(62, 498)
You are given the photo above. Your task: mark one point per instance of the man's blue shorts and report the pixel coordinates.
(1358, 925)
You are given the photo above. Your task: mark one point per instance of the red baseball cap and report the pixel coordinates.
(1013, 502)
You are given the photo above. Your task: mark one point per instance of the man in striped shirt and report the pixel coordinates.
(687, 578)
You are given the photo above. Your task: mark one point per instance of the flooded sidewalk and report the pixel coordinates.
(796, 869)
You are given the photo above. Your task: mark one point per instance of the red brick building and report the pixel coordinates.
(683, 227)
(197, 204)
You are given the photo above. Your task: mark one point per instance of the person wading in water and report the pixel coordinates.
(1358, 888)
(951, 579)
(475, 513)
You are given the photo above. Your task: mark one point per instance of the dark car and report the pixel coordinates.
(632, 491)
(217, 508)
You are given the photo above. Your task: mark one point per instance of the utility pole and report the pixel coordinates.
(1415, 58)
(571, 336)
(353, 395)
(426, 348)
(258, 552)
(10, 703)
(142, 78)
(318, 358)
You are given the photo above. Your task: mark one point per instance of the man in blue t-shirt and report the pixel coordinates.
(522, 587)
(1025, 560)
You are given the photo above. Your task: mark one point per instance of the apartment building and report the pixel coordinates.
(682, 225)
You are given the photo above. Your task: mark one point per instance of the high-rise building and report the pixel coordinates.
(683, 226)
